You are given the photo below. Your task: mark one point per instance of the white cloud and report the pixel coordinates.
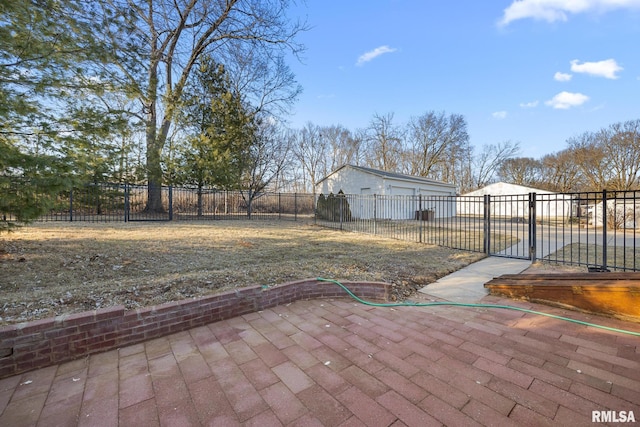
(372, 54)
(531, 104)
(607, 68)
(558, 10)
(562, 77)
(499, 115)
(566, 100)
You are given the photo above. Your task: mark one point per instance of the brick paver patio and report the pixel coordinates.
(339, 363)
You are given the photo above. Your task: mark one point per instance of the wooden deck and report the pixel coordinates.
(613, 294)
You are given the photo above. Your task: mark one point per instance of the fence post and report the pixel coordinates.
(71, 205)
(127, 206)
(170, 203)
(279, 205)
(487, 224)
(375, 214)
(532, 226)
(341, 198)
(604, 229)
(295, 206)
(420, 221)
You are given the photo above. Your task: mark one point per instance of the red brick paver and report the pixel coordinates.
(335, 362)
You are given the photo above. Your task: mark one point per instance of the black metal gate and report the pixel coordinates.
(510, 225)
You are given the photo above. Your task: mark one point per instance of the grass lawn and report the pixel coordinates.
(617, 256)
(48, 269)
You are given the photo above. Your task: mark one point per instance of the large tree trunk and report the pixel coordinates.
(154, 167)
(153, 143)
(178, 33)
(154, 177)
(200, 204)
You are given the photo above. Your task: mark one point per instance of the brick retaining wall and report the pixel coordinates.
(41, 343)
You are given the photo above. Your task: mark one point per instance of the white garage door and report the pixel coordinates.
(365, 210)
(402, 191)
(402, 204)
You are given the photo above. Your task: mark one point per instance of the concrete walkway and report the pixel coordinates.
(467, 285)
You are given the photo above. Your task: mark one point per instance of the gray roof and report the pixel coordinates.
(385, 174)
(516, 189)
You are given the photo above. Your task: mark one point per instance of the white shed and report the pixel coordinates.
(511, 200)
(620, 213)
(388, 195)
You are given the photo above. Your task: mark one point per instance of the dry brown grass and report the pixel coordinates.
(590, 254)
(50, 269)
(462, 236)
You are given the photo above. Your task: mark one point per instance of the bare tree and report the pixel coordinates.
(342, 147)
(432, 139)
(358, 144)
(488, 161)
(266, 83)
(620, 144)
(520, 171)
(310, 150)
(464, 179)
(267, 157)
(163, 42)
(609, 158)
(457, 170)
(560, 172)
(591, 159)
(385, 141)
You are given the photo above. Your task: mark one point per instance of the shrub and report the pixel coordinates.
(329, 208)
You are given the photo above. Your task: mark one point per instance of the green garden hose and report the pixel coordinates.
(461, 304)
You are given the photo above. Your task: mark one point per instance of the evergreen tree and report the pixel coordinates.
(29, 184)
(38, 51)
(159, 43)
(219, 130)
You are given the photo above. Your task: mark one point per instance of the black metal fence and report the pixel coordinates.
(598, 230)
(419, 219)
(123, 202)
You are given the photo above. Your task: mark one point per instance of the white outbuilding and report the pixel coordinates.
(512, 201)
(388, 195)
(621, 212)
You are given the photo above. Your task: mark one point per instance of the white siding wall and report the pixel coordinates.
(548, 205)
(386, 197)
(351, 181)
(623, 214)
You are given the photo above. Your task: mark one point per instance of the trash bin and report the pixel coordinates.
(426, 215)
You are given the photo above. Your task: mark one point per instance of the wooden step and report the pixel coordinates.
(613, 294)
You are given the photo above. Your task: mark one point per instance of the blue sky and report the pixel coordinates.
(537, 72)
